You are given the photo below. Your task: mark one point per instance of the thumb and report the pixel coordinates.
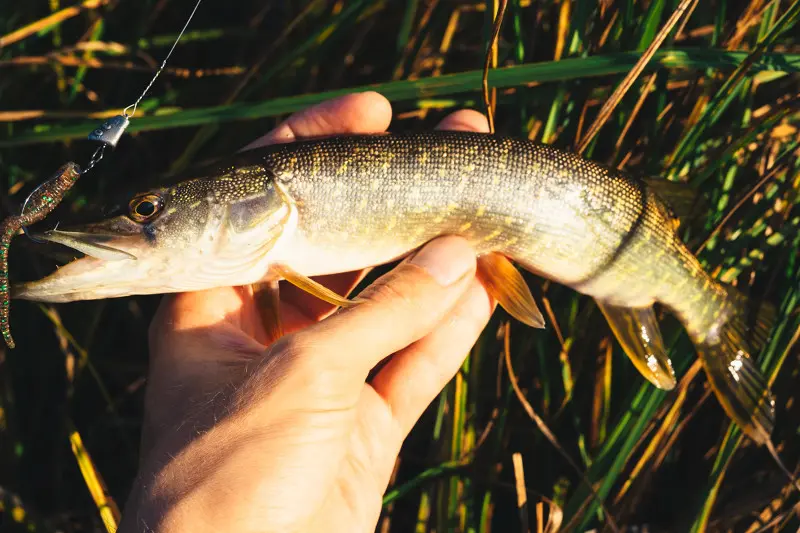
(397, 310)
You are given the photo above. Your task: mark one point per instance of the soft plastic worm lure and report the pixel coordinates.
(39, 204)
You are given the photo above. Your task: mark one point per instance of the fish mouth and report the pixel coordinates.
(112, 265)
(118, 264)
(91, 244)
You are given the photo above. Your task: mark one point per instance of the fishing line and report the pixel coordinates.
(163, 64)
(110, 131)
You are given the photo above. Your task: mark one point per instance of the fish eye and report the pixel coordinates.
(145, 207)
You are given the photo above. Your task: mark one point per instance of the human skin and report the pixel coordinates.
(245, 433)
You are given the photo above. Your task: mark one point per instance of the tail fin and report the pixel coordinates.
(737, 382)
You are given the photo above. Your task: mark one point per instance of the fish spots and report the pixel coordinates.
(462, 184)
(243, 171)
(316, 163)
(464, 227)
(493, 235)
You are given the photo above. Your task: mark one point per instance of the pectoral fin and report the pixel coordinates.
(267, 299)
(312, 287)
(638, 333)
(505, 284)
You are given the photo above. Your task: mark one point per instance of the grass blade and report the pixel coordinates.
(449, 84)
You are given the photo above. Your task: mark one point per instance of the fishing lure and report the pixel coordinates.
(47, 196)
(39, 204)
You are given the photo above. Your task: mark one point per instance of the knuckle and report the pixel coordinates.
(316, 366)
(272, 369)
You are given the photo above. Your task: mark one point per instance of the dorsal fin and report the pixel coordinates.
(682, 199)
(729, 361)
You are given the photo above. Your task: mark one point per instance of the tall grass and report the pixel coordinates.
(717, 108)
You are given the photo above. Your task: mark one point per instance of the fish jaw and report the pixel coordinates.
(91, 278)
(86, 279)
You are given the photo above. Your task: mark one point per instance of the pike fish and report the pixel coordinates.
(344, 203)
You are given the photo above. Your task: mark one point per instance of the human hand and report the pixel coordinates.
(247, 433)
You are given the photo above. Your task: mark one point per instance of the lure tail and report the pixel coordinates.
(736, 380)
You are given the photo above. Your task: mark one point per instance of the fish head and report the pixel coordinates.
(199, 234)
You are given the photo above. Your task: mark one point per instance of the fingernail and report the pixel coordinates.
(447, 260)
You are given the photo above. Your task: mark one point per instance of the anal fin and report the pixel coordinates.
(505, 284)
(310, 286)
(638, 333)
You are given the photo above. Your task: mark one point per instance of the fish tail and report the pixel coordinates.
(727, 356)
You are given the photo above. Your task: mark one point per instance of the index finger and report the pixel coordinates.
(367, 112)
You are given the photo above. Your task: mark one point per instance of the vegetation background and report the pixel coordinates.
(71, 393)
